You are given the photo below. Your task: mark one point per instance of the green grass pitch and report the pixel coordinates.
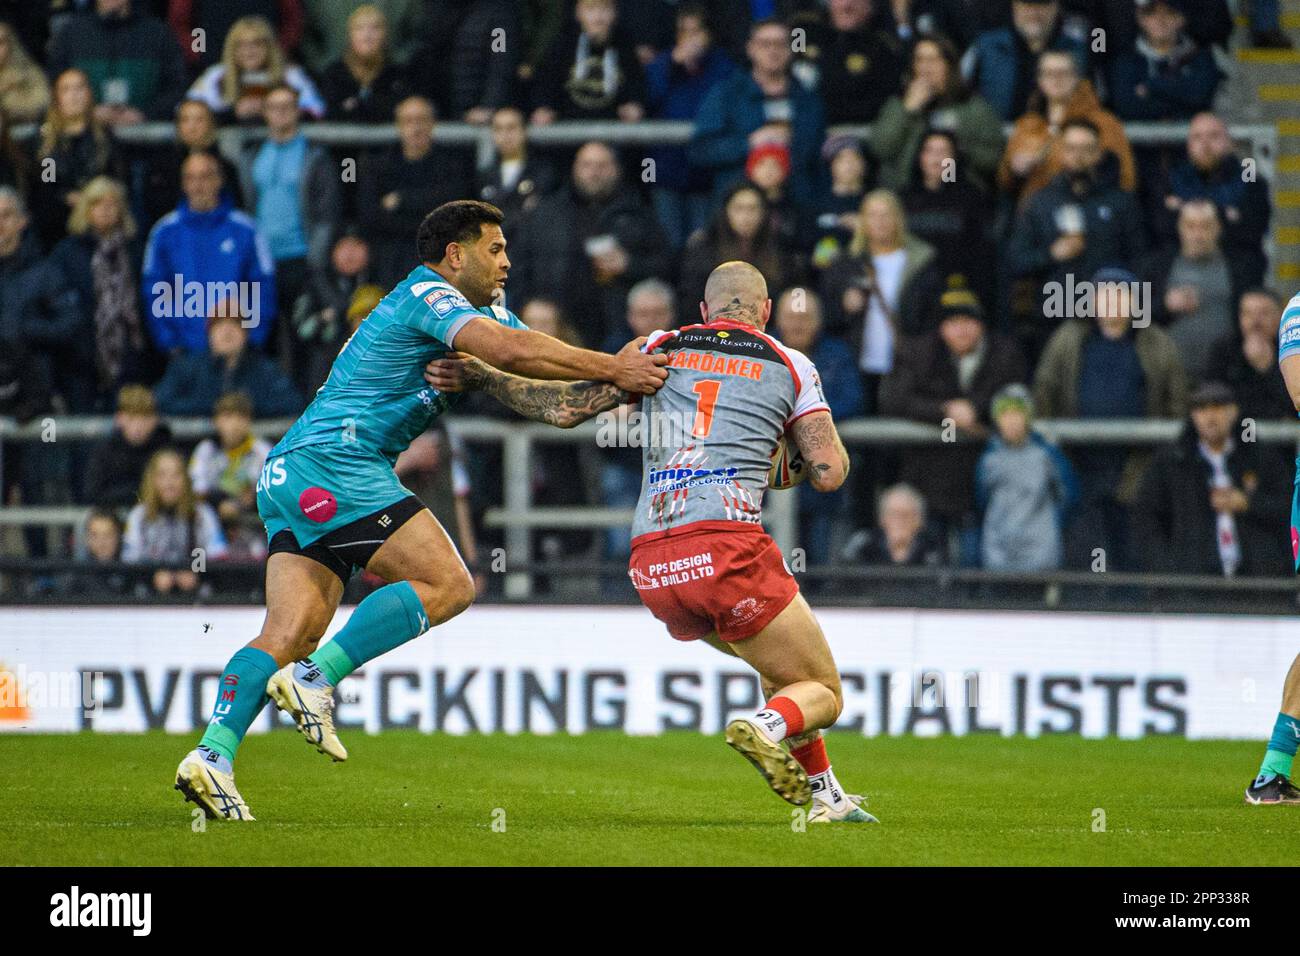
(406, 798)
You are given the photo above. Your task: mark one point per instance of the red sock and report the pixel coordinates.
(812, 757)
(790, 713)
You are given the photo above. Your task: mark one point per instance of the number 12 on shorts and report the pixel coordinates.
(706, 391)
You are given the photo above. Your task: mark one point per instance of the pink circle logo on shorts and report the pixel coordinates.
(1295, 545)
(318, 504)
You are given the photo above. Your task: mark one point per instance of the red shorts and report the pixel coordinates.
(731, 582)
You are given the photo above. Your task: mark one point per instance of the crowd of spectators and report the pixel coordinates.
(920, 267)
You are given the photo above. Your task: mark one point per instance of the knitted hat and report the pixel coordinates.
(768, 151)
(1013, 396)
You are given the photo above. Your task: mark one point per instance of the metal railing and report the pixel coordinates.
(1260, 139)
(519, 515)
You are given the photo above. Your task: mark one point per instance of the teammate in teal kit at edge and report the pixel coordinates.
(1273, 784)
(331, 502)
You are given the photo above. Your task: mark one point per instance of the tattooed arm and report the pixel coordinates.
(563, 404)
(823, 452)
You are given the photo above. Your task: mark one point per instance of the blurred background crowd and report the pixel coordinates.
(916, 267)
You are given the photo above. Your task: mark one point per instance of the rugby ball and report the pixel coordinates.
(788, 468)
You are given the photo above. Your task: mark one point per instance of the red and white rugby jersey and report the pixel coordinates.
(710, 431)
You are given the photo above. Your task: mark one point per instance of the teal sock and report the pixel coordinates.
(386, 619)
(240, 698)
(1281, 747)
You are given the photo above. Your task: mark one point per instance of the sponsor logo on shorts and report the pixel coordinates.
(318, 504)
(746, 610)
(1295, 544)
(273, 474)
(665, 574)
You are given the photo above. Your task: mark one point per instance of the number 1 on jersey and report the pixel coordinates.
(706, 391)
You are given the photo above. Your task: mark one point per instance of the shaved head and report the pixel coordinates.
(736, 291)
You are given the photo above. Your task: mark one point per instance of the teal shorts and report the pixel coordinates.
(334, 503)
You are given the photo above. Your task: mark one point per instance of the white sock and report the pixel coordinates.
(826, 789)
(771, 724)
(307, 673)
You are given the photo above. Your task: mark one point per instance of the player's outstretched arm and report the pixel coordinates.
(563, 404)
(536, 355)
(824, 454)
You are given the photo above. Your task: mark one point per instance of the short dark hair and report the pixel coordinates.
(459, 221)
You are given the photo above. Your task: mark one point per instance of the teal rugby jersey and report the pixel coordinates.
(375, 397)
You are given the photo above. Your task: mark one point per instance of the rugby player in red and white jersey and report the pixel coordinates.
(701, 561)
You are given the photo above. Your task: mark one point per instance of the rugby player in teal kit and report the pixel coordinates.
(331, 502)
(1274, 784)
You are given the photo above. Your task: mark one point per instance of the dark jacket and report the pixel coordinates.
(552, 260)
(1176, 87)
(1056, 384)
(1260, 395)
(854, 72)
(1113, 233)
(421, 186)
(921, 287)
(924, 377)
(1176, 527)
(39, 309)
(346, 101)
(1003, 70)
(72, 259)
(194, 381)
(460, 64)
(956, 220)
(734, 109)
(537, 179)
(116, 468)
(1244, 210)
(674, 94)
(78, 159)
(557, 87)
(136, 49)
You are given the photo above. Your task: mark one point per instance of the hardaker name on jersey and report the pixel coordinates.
(375, 395)
(737, 390)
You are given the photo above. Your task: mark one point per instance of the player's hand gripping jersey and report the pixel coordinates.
(731, 393)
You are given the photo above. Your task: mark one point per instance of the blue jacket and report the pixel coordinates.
(194, 381)
(1002, 70)
(674, 94)
(732, 110)
(211, 249)
(841, 381)
(1176, 89)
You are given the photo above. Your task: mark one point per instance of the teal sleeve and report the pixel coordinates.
(439, 312)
